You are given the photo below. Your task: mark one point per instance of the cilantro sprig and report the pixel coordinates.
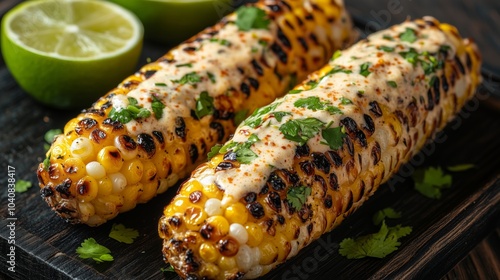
(157, 107)
(409, 35)
(123, 234)
(90, 249)
(364, 69)
(132, 112)
(388, 212)
(334, 137)
(244, 153)
(431, 181)
(256, 118)
(297, 196)
(314, 103)
(251, 18)
(301, 130)
(204, 105)
(189, 78)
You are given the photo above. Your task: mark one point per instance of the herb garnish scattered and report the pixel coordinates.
(169, 268)
(243, 152)
(91, 249)
(364, 69)
(386, 48)
(204, 105)
(184, 65)
(22, 186)
(314, 103)
(51, 135)
(460, 167)
(388, 37)
(122, 234)
(411, 56)
(334, 137)
(157, 107)
(160, 84)
(336, 55)
(430, 181)
(251, 17)
(132, 112)
(392, 84)
(211, 77)
(345, 101)
(46, 162)
(279, 115)
(301, 130)
(409, 35)
(240, 116)
(339, 69)
(191, 78)
(214, 151)
(256, 118)
(297, 196)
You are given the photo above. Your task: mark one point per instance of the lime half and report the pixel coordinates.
(66, 54)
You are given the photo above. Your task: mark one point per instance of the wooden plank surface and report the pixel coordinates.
(444, 231)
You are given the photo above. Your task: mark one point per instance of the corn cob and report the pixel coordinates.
(299, 166)
(158, 124)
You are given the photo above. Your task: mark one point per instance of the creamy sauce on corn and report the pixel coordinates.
(388, 72)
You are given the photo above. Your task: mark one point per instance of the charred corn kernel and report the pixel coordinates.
(215, 228)
(191, 186)
(148, 191)
(194, 217)
(238, 232)
(211, 191)
(268, 252)
(130, 196)
(74, 168)
(60, 151)
(108, 205)
(292, 228)
(105, 186)
(236, 213)
(86, 188)
(255, 234)
(255, 67)
(227, 263)
(208, 252)
(213, 207)
(95, 169)
(110, 158)
(133, 171)
(119, 182)
(210, 271)
(81, 148)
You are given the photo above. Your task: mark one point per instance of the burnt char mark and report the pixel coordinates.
(436, 87)
(334, 182)
(430, 100)
(250, 197)
(149, 73)
(159, 136)
(350, 202)
(375, 109)
(284, 40)
(328, 201)
(63, 188)
(279, 52)
(241, 70)
(412, 110)
(264, 190)
(274, 201)
(127, 142)
(290, 177)
(193, 153)
(305, 213)
(362, 188)
(254, 83)
(334, 158)
(361, 137)
(98, 112)
(468, 61)
(302, 151)
(85, 124)
(245, 89)
(147, 143)
(230, 156)
(130, 84)
(350, 145)
(303, 43)
(190, 262)
(284, 3)
(174, 221)
(321, 162)
(369, 124)
(46, 192)
(276, 182)
(274, 8)
(219, 128)
(307, 167)
(106, 105)
(321, 181)
(82, 187)
(444, 83)
(189, 50)
(281, 219)
(223, 115)
(116, 125)
(256, 209)
(314, 39)
(257, 67)
(376, 153)
(97, 135)
(195, 196)
(350, 125)
(225, 165)
(459, 64)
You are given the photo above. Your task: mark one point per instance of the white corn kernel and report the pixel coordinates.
(119, 182)
(81, 147)
(163, 186)
(244, 258)
(126, 153)
(95, 170)
(256, 255)
(238, 232)
(254, 272)
(213, 207)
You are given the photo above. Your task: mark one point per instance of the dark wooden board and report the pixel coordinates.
(444, 231)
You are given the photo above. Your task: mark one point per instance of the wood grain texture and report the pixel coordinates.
(444, 231)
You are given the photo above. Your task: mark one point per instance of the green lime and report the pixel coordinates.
(66, 54)
(173, 21)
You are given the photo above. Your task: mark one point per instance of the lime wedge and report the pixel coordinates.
(68, 53)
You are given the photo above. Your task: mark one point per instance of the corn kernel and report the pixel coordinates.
(95, 170)
(219, 225)
(213, 207)
(191, 186)
(82, 148)
(291, 227)
(108, 206)
(194, 217)
(244, 258)
(59, 151)
(105, 186)
(180, 204)
(148, 191)
(268, 252)
(227, 263)
(255, 234)
(87, 188)
(119, 182)
(132, 170)
(130, 196)
(208, 252)
(238, 232)
(283, 246)
(56, 172)
(237, 213)
(86, 210)
(110, 158)
(209, 270)
(211, 191)
(162, 164)
(74, 168)
(215, 161)
(149, 174)
(178, 159)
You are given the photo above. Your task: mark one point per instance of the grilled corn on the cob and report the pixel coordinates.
(297, 167)
(158, 124)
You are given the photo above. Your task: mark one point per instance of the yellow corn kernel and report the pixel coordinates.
(75, 168)
(86, 189)
(82, 148)
(227, 263)
(219, 225)
(130, 196)
(208, 252)
(211, 191)
(291, 227)
(148, 191)
(162, 164)
(59, 151)
(132, 170)
(215, 161)
(209, 270)
(105, 186)
(236, 213)
(110, 158)
(268, 252)
(56, 172)
(255, 234)
(178, 159)
(194, 217)
(181, 204)
(191, 186)
(70, 126)
(283, 246)
(108, 206)
(149, 173)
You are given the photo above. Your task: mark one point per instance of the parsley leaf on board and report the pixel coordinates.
(157, 107)
(409, 35)
(376, 245)
(388, 212)
(51, 134)
(90, 249)
(301, 130)
(429, 182)
(251, 17)
(297, 196)
(22, 186)
(460, 167)
(122, 234)
(334, 137)
(191, 78)
(204, 105)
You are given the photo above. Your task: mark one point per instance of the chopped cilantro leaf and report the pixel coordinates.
(388, 37)
(333, 110)
(211, 77)
(169, 268)
(225, 42)
(429, 182)
(245, 155)
(386, 48)
(409, 35)
(411, 56)
(336, 54)
(132, 112)
(90, 249)
(51, 135)
(253, 138)
(122, 234)
(240, 116)
(334, 137)
(160, 84)
(345, 101)
(251, 17)
(388, 212)
(204, 105)
(376, 245)
(294, 91)
(132, 101)
(301, 130)
(364, 69)
(444, 48)
(263, 43)
(22, 186)
(214, 151)
(191, 78)
(256, 118)
(312, 84)
(297, 196)
(311, 103)
(460, 167)
(279, 115)
(339, 69)
(184, 65)
(46, 162)
(392, 84)
(157, 107)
